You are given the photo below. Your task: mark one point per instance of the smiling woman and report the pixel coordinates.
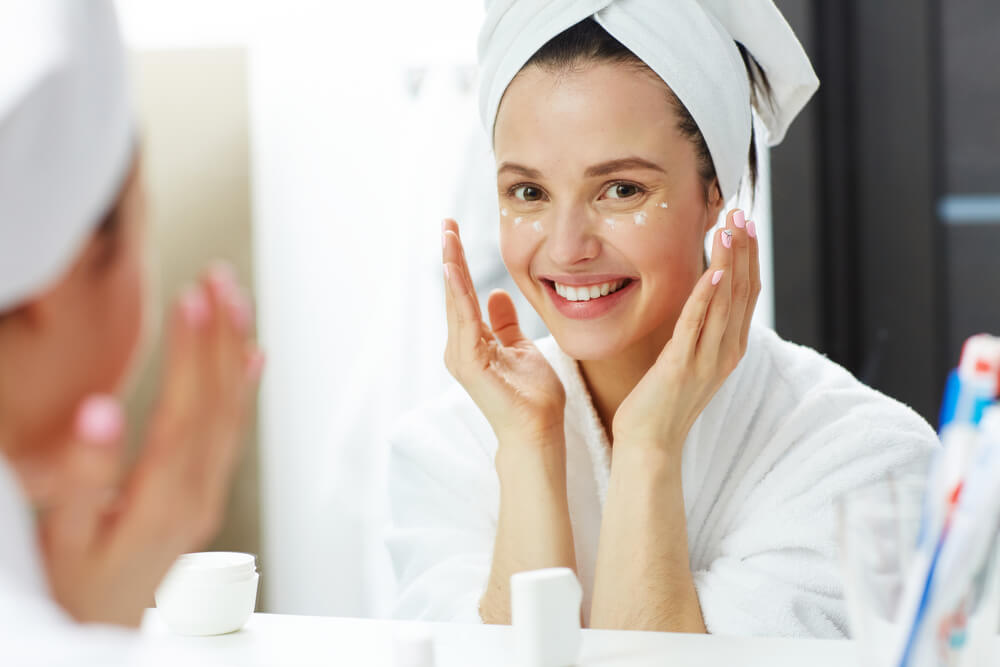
(683, 462)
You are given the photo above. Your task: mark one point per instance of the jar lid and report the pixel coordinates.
(215, 566)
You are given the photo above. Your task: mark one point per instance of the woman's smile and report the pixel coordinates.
(582, 297)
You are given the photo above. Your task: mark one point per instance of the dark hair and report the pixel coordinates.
(588, 42)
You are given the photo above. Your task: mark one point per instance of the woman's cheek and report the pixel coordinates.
(517, 249)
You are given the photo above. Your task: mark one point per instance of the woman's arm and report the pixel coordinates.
(643, 579)
(533, 530)
(523, 399)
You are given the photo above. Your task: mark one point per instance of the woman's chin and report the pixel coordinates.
(596, 344)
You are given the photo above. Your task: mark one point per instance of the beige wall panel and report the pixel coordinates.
(194, 127)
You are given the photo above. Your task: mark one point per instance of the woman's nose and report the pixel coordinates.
(571, 237)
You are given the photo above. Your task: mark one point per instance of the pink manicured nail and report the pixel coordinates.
(100, 420)
(240, 311)
(717, 277)
(727, 238)
(255, 366)
(222, 274)
(739, 220)
(752, 229)
(194, 307)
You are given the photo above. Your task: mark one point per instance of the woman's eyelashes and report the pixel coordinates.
(617, 193)
(621, 191)
(526, 193)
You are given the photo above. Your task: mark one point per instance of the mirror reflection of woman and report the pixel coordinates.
(681, 460)
(84, 538)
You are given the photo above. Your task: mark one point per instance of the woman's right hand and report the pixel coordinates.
(108, 541)
(504, 372)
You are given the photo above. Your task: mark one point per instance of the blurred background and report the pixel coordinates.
(317, 146)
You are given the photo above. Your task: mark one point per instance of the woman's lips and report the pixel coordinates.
(590, 300)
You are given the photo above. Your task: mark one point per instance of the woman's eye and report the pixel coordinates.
(622, 191)
(528, 193)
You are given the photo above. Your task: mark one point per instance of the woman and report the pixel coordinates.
(72, 227)
(682, 461)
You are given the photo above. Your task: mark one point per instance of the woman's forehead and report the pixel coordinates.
(587, 114)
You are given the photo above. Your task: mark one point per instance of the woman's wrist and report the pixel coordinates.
(532, 452)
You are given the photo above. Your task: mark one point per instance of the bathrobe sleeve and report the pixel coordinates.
(443, 504)
(769, 563)
(34, 630)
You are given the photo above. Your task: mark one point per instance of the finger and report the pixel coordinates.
(231, 322)
(753, 253)
(503, 318)
(731, 340)
(90, 477)
(229, 405)
(455, 252)
(188, 321)
(468, 331)
(689, 325)
(717, 316)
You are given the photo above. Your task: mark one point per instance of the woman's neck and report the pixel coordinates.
(610, 380)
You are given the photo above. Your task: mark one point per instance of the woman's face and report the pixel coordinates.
(80, 336)
(603, 212)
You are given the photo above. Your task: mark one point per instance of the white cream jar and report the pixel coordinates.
(209, 593)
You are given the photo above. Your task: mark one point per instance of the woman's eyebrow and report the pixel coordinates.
(610, 167)
(513, 167)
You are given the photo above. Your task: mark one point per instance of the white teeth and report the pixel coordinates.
(588, 292)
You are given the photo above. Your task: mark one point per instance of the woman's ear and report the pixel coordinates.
(715, 204)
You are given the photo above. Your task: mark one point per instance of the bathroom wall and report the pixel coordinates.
(192, 106)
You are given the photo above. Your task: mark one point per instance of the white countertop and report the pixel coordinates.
(298, 641)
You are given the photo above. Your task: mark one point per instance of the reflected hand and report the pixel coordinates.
(108, 542)
(708, 342)
(502, 370)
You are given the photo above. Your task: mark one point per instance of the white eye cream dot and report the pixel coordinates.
(518, 221)
(640, 218)
(537, 225)
(609, 222)
(503, 212)
(664, 205)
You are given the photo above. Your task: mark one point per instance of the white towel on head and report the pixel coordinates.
(785, 436)
(690, 44)
(66, 135)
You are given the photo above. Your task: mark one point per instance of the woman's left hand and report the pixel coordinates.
(709, 340)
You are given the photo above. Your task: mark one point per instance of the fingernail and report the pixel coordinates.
(717, 277)
(727, 238)
(752, 229)
(222, 274)
(255, 366)
(99, 420)
(739, 220)
(194, 307)
(240, 311)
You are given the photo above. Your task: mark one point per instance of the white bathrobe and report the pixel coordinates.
(34, 631)
(788, 432)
